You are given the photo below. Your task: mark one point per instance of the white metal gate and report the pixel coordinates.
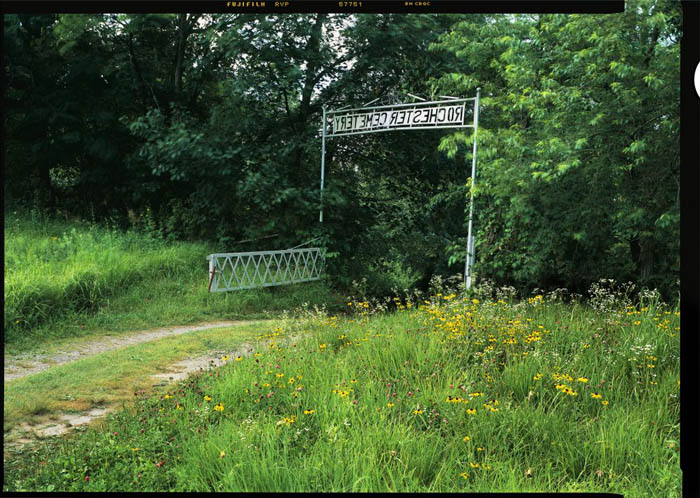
(246, 270)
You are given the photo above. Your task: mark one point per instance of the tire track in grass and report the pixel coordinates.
(63, 423)
(19, 366)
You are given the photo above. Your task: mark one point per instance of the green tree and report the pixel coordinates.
(578, 145)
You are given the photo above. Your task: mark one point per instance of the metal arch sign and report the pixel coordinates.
(437, 114)
(417, 116)
(423, 115)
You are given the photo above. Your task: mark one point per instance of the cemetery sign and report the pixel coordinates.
(437, 114)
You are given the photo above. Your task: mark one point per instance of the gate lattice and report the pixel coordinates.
(246, 270)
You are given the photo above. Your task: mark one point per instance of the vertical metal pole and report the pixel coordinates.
(469, 262)
(323, 160)
(212, 270)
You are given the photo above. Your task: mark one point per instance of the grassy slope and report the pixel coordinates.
(346, 430)
(66, 280)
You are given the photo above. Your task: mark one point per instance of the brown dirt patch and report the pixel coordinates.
(61, 423)
(26, 364)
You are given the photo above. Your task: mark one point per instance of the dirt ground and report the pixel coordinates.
(27, 364)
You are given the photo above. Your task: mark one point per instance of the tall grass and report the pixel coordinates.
(447, 394)
(64, 279)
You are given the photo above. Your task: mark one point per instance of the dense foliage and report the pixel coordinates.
(206, 127)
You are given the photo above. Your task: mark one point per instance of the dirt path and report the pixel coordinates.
(62, 423)
(26, 364)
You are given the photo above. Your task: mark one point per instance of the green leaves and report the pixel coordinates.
(571, 104)
(219, 118)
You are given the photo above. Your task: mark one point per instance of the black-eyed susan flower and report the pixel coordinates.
(219, 407)
(464, 475)
(207, 398)
(596, 395)
(466, 438)
(471, 411)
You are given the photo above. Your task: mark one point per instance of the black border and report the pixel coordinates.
(690, 246)
(311, 6)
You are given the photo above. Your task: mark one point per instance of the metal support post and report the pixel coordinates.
(212, 271)
(469, 262)
(323, 160)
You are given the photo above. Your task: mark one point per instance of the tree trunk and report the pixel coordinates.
(48, 197)
(312, 58)
(184, 29)
(312, 49)
(642, 251)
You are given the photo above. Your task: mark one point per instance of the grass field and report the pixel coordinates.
(444, 392)
(448, 393)
(67, 279)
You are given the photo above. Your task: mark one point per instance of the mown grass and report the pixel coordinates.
(447, 394)
(72, 279)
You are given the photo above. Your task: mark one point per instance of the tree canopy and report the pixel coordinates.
(208, 126)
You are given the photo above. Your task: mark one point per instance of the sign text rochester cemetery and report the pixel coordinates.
(440, 114)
